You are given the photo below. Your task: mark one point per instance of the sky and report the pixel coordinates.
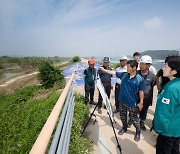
(88, 27)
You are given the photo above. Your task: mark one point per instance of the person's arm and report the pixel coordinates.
(154, 133)
(141, 87)
(85, 72)
(107, 71)
(141, 97)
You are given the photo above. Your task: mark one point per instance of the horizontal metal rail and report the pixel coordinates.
(41, 144)
(61, 138)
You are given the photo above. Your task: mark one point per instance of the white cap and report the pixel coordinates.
(123, 57)
(146, 59)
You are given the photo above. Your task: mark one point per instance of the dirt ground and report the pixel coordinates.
(25, 80)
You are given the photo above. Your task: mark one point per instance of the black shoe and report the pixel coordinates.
(92, 103)
(142, 126)
(104, 107)
(137, 136)
(122, 131)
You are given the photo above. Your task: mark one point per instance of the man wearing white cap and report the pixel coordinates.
(122, 68)
(149, 79)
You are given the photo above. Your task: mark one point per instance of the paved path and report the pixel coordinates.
(103, 137)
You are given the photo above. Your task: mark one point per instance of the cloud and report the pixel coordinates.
(153, 23)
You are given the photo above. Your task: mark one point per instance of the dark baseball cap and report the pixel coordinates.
(106, 59)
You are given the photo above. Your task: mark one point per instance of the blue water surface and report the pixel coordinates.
(79, 68)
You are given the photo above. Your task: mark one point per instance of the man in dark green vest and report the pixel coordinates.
(89, 79)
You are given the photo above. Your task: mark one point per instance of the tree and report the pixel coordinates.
(49, 75)
(76, 59)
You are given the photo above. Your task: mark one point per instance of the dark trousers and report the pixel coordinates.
(132, 114)
(89, 90)
(167, 145)
(143, 112)
(117, 88)
(107, 88)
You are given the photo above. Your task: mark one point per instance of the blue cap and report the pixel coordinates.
(106, 59)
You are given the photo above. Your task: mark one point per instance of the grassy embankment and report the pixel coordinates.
(24, 112)
(22, 117)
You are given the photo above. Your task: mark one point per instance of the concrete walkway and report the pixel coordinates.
(102, 134)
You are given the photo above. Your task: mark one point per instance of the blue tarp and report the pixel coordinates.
(79, 68)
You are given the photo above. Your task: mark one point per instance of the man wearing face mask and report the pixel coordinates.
(106, 81)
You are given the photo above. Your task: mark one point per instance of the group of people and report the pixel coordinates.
(136, 79)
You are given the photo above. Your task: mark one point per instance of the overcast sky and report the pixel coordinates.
(87, 27)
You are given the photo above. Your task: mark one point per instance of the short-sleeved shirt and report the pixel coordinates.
(149, 80)
(153, 70)
(130, 87)
(120, 69)
(105, 77)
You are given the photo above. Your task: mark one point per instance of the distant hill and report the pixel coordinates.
(160, 54)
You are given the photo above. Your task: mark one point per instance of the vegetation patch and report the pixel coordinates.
(79, 144)
(49, 75)
(76, 59)
(22, 118)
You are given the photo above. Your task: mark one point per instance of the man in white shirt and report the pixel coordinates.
(153, 70)
(122, 68)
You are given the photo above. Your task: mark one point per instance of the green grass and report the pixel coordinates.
(23, 115)
(79, 144)
(22, 118)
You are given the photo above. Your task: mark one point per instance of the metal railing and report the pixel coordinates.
(60, 143)
(62, 134)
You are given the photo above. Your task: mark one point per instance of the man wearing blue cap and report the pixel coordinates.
(106, 81)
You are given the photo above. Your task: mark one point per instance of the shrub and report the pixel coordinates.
(76, 59)
(49, 75)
